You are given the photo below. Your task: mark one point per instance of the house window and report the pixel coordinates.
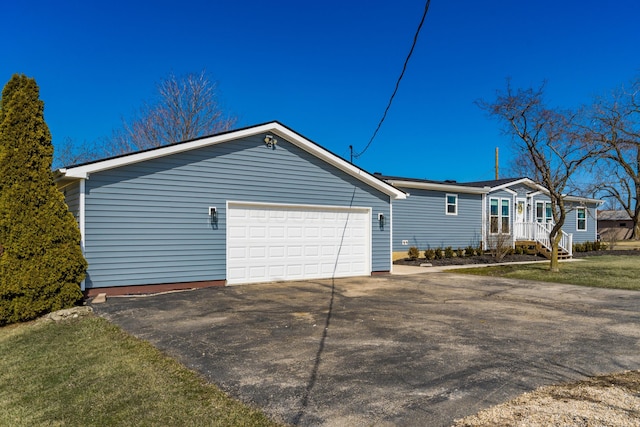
(581, 214)
(452, 204)
(506, 217)
(544, 212)
(493, 221)
(500, 216)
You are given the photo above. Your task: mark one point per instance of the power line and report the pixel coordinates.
(404, 68)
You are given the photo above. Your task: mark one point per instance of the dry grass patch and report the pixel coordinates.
(608, 271)
(85, 371)
(609, 400)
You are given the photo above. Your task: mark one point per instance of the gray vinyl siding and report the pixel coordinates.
(570, 226)
(72, 198)
(148, 223)
(571, 223)
(521, 190)
(421, 220)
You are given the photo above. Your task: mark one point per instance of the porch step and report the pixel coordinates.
(562, 254)
(531, 247)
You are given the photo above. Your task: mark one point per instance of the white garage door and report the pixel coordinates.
(272, 242)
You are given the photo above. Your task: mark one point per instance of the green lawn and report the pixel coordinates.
(607, 271)
(87, 372)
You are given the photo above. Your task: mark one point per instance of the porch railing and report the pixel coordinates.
(539, 232)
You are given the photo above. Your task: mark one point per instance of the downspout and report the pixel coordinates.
(484, 222)
(512, 219)
(82, 222)
(391, 233)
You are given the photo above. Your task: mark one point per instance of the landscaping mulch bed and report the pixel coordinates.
(477, 259)
(488, 259)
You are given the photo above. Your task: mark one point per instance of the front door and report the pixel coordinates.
(520, 218)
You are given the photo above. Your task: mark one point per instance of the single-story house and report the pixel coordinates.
(438, 214)
(614, 225)
(257, 204)
(264, 203)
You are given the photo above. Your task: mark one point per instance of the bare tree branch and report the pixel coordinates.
(615, 132)
(186, 108)
(550, 148)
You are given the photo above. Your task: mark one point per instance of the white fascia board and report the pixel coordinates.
(584, 200)
(439, 187)
(525, 181)
(273, 127)
(543, 190)
(85, 170)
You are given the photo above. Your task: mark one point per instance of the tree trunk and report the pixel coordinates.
(554, 266)
(636, 229)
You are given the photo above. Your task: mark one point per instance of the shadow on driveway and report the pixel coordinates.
(395, 350)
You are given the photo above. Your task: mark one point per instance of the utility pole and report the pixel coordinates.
(497, 174)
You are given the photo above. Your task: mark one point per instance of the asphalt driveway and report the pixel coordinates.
(395, 350)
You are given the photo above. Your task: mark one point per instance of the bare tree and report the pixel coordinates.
(548, 146)
(614, 130)
(68, 153)
(186, 108)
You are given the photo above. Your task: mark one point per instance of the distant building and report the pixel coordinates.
(614, 224)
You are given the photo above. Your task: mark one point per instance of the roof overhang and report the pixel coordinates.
(541, 189)
(526, 181)
(438, 186)
(84, 171)
(579, 199)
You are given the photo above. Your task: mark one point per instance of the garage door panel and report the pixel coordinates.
(294, 232)
(311, 251)
(257, 252)
(266, 243)
(294, 251)
(277, 232)
(236, 273)
(276, 252)
(237, 232)
(312, 232)
(277, 270)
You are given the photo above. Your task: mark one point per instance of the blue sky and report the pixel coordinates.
(326, 69)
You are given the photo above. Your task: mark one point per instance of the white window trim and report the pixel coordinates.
(491, 199)
(548, 219)
(447, 204)
(509, 202)
(544, 217)
(578, 219)
(500, 216)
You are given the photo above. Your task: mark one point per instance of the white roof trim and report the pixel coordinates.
(84, 171)
(583, 200)
(525, 181)
(438, 187)
(541, 189)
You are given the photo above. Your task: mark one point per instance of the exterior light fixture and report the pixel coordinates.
(213, 214)
(381, 219)
(270, 141)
